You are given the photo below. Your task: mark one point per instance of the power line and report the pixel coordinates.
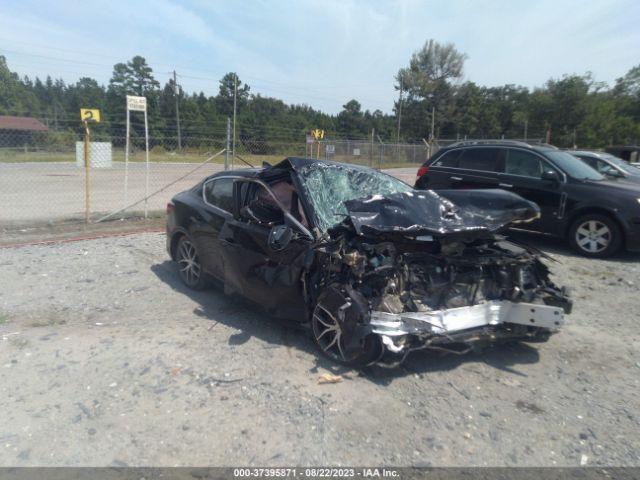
(287, 87)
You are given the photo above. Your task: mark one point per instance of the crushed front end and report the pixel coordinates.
(453, 289)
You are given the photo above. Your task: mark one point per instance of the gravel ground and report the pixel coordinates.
(106, 360)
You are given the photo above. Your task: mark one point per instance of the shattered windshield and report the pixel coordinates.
(329, 186)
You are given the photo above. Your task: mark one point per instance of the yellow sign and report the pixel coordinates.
(317, 134)
(90, 115)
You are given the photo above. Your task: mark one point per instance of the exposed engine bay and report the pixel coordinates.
(397, 269)
(420, 292)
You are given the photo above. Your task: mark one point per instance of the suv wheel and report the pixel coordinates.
(595, 236)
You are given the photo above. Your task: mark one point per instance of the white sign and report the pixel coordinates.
(100, 154)
(331, 149)
(310, 138)
(356, 152)
(137, 104)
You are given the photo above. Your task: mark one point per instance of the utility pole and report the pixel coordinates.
(399, 111)
(175, 94)
(433, 123)
(235, 103)
(526, 127)
(373, 132)
(226, 150)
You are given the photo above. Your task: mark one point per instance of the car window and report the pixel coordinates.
(328, 186)
(260, 206)
(588, 160)
(219, 192)
(573, 166)
(449, 159)
(525, 164)
(624, 166)
(484, 159)
(604, 167)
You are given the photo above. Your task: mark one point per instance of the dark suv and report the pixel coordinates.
(597, 216)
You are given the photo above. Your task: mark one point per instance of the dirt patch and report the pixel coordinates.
(145, 372)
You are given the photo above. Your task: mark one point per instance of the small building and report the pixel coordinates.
(19, 131)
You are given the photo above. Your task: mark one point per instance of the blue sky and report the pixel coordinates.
(321, 53)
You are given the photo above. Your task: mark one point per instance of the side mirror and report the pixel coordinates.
(551, 175)
(279, 237)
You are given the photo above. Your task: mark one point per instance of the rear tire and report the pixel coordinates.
(596, 236)
(189, 265)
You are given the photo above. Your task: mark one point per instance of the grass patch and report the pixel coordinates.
(138, 157)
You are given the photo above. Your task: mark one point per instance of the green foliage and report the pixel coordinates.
(574, 109)
(60, 139)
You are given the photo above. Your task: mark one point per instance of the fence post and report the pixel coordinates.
(87, 168)
(146, 180)
(226, 151)
(126, 159)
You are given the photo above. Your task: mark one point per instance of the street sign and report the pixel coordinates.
(90, 115)
(317, 133)
(136, 104)
(330, 149)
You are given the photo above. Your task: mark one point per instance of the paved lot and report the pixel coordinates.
(43, 192)
(37, 192)
(105, 359)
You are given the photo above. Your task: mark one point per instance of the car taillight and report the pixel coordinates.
(422, 170)
(169, 208)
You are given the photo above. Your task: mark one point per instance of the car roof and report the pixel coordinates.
(589, 153)
(539, 147)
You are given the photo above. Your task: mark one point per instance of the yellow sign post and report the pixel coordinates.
(318, 135)
(88, 115)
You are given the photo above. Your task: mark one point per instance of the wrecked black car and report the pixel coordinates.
(373, 267)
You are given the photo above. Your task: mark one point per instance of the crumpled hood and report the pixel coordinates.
(444, 212)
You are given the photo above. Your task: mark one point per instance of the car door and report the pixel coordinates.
(217, 196)
(477, 168)
(523, 174)
(252, 268)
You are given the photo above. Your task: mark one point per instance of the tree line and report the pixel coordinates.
(432, 100)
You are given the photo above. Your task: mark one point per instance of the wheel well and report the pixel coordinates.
(174, 243)
(593, 210)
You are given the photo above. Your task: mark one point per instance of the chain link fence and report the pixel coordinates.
(374, 154)
(43, 179)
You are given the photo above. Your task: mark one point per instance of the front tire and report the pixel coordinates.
(595, 236)
(334, 329)
(189, 265)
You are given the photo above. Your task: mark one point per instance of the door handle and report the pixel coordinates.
(505, 185)
(457, 179)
